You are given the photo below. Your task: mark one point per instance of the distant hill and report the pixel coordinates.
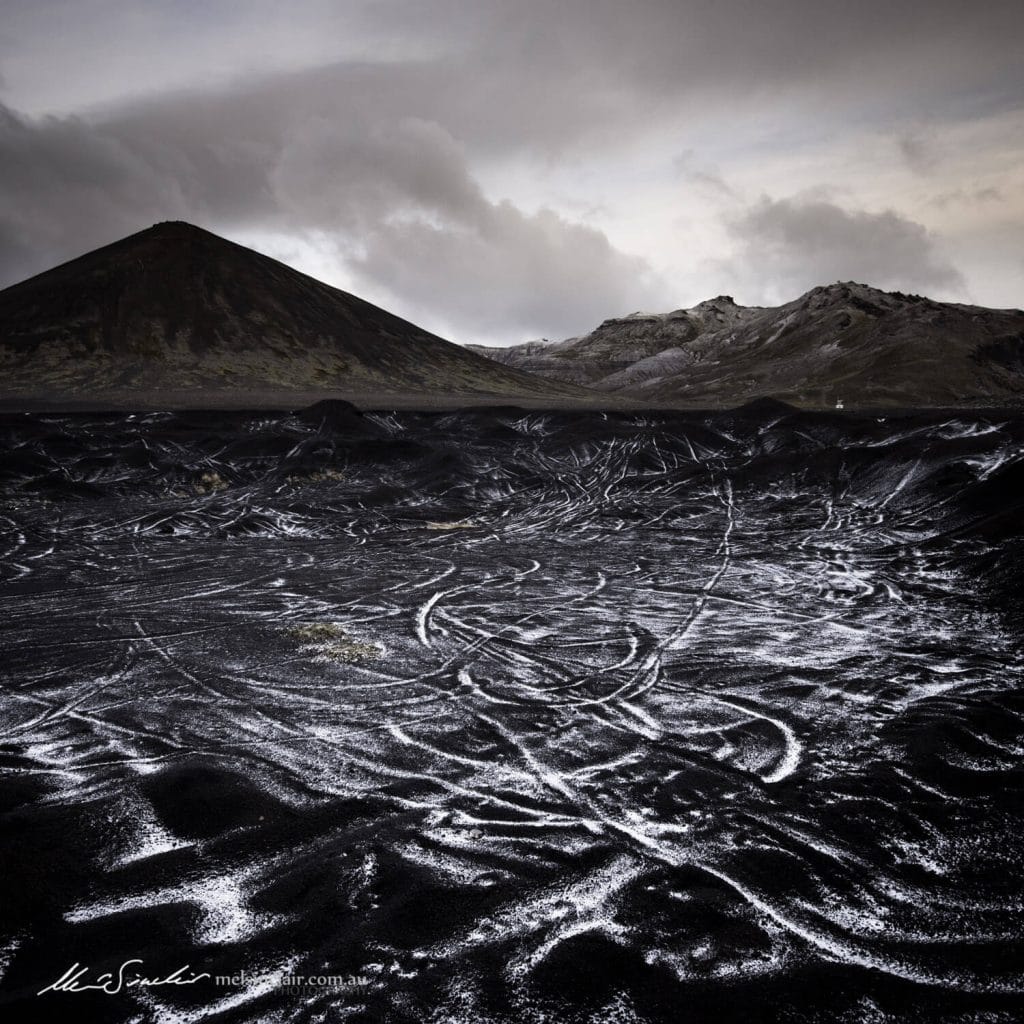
(175, 315)
(845, 343)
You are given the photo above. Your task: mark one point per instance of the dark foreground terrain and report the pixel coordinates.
(513, 716)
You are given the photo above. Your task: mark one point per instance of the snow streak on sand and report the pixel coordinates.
(684, 704)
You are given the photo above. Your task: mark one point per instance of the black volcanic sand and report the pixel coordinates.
(518, 716)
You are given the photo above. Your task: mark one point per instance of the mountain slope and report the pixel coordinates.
(845, 342)
(176, 309)
(617, 343)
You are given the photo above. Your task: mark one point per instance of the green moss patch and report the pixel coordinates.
(330, 641)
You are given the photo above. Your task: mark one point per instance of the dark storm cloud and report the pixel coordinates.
(66, 186)
(397, 197)
(794, 244)
(385, 157)
(599, 56)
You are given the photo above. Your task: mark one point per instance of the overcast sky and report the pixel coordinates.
(498, 170)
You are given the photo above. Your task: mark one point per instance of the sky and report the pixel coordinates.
(502, 170)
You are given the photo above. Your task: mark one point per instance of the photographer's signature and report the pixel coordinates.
(76, 979)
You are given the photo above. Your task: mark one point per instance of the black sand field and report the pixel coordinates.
(513, 716)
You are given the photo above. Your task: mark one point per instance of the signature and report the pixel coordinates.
(111, 983)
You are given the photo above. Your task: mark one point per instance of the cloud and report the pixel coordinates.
(395, 197)
(502, 269)
(708, 179)
(968, 197)
(353, 176)
(67, 187)
(592, 49)
(791, 245)
(918, 152)
(393, 141)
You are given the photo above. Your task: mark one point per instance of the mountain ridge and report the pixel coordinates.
(846, 342)
(175, 309)
(174, 315)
